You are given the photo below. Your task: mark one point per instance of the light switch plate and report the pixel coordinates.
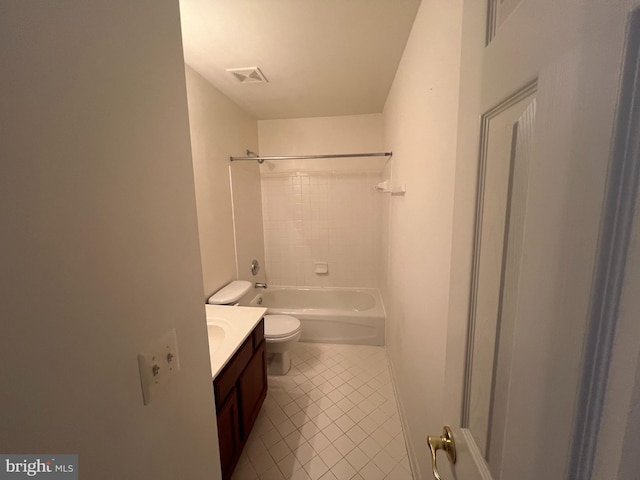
(158, 364)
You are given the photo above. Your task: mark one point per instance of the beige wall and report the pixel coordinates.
(420, 127)
(100, 243)
(318, 135)
(322, 210)
(219, 129)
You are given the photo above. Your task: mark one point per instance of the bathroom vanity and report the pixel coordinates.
(238, 361)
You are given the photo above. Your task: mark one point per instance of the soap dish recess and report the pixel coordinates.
(321, 268)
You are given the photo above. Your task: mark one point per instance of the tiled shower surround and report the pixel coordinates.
(322, 217)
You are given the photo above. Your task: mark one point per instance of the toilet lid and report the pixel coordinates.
(276, 326)
(230, 293)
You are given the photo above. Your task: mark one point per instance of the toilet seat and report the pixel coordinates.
(280, 327)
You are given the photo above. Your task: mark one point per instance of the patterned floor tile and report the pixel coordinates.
(334, 416)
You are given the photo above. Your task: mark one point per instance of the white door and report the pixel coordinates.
(540, 272)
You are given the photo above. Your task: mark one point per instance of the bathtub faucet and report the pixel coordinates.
(261, 285)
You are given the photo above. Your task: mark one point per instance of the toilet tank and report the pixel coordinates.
(230, 293)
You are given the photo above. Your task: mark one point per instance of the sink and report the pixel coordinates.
(216, 333)
(219, 321)
(227, 328)
(218, 329)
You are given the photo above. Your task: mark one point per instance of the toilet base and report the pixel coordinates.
(278, 363)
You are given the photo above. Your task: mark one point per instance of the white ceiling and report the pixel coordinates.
(321, 57)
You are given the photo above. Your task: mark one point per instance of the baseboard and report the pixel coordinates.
(413, 460)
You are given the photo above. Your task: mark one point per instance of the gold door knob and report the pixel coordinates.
(444, 442)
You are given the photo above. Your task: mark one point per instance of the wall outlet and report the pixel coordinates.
(158, 364)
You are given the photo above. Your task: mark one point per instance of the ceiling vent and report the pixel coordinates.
(248, 75)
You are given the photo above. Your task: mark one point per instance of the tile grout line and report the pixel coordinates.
(326, 415)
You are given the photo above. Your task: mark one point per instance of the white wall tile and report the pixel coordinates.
(334, 218)
(334, 214)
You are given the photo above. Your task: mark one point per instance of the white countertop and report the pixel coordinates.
(228, 327)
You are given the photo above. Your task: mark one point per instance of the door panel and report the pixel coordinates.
(506, 147)
(507, 320)
(499, 12)
(495, 201)
(531, 293)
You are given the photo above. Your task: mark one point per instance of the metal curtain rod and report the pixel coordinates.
(260, 159)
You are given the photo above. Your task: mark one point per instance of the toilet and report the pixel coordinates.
(281, 332)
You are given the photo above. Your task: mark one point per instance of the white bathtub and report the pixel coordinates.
(329, 315)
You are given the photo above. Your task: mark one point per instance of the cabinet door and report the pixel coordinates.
(226, 380)
(229, 435)
(252, 390)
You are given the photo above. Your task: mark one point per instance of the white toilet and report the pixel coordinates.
(281, 332)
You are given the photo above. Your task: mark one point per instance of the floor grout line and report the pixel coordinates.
(333, 416)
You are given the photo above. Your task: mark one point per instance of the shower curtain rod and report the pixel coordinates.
(260, 159)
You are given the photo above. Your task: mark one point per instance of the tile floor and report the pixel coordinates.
(333, 416)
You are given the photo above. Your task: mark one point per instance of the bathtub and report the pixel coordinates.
(329, 315)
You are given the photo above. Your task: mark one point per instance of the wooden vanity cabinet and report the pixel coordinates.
(240, 389)
(229, 435)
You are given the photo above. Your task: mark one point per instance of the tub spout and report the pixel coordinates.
(261, 285)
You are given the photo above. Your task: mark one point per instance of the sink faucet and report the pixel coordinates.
(261, 285)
